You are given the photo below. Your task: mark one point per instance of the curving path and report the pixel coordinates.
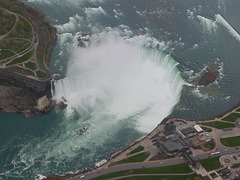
(9, 12)
(32, 47)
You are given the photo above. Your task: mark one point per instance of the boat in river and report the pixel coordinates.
(81, 131)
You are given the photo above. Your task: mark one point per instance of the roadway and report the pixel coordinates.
(112, 169)
(168, 162)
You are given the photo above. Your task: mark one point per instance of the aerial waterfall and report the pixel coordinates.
(121, 80)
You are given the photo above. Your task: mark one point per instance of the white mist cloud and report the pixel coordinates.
(123, 80)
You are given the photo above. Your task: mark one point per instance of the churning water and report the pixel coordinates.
(142, 58)
(121, 80)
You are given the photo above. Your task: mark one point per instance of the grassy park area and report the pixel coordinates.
(6, 54)
(138, 149)
(22, 30)
(219, 124)
(180, 168)
(211, 163)
(237, 165)
(20, 59)
(231, 141)
(137, 158)
(206, 129)
(7, 21)
(181, 177)
(31, 65)
(232, 117)
(26, 40)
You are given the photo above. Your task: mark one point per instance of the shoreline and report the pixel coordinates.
(22, 89)
(138, 141)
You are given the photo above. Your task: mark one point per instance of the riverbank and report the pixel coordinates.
(26, 47)
(147, 142)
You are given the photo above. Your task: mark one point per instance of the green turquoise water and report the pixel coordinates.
(192, 34)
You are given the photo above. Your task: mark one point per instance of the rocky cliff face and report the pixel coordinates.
(20, 94)
(9, 77)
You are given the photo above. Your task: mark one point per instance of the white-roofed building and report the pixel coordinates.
(98, 164)
(198, 128)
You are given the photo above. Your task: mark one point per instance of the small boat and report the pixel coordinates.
(81, 131)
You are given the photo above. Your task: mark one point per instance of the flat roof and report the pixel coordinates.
(173, 143)
(198, 128)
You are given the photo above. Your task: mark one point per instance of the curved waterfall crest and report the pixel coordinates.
(122, 80)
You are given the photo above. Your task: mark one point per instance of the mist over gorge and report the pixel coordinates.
(123, 80)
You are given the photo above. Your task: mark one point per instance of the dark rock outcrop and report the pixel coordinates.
(20, 94)
(83, 41)
(211, 74)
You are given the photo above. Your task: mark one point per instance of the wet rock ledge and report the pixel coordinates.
(19, 94)
(211, 74)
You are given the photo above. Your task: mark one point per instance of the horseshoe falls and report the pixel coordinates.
(125, 82)
(140, 64)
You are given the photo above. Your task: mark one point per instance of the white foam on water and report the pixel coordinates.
(190, 14)
(72, 25)
(125, 80)
(64, 2)
(115, 83)
(196, 91)
(93, 12)
(207, 24)
(220, 19)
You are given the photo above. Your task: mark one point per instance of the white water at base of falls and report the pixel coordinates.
(121, 80)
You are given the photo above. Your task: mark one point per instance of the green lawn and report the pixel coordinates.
(138, 149)
(179, 168)
(219, 124)
(41, 74)
(6, 54)
(211, 163)
(238, 110)
(232, 117)
(19, 40)
(23, 71)
(22, 30)
(183, 177)
(236, 165)
(209, 145)
(231, 141)
(25, 57)
(112, 175)
(160, 156)
(137, 158)
(31, 65)
(17, 45)
(7, 22)
(40, 60)
(206, 129)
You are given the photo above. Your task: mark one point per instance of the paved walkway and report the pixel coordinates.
(9, 12)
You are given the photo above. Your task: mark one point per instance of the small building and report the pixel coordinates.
(98, 164)
(173, 144)
(198, 128)
(169, 128)
(185, 131)
(188, 132)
